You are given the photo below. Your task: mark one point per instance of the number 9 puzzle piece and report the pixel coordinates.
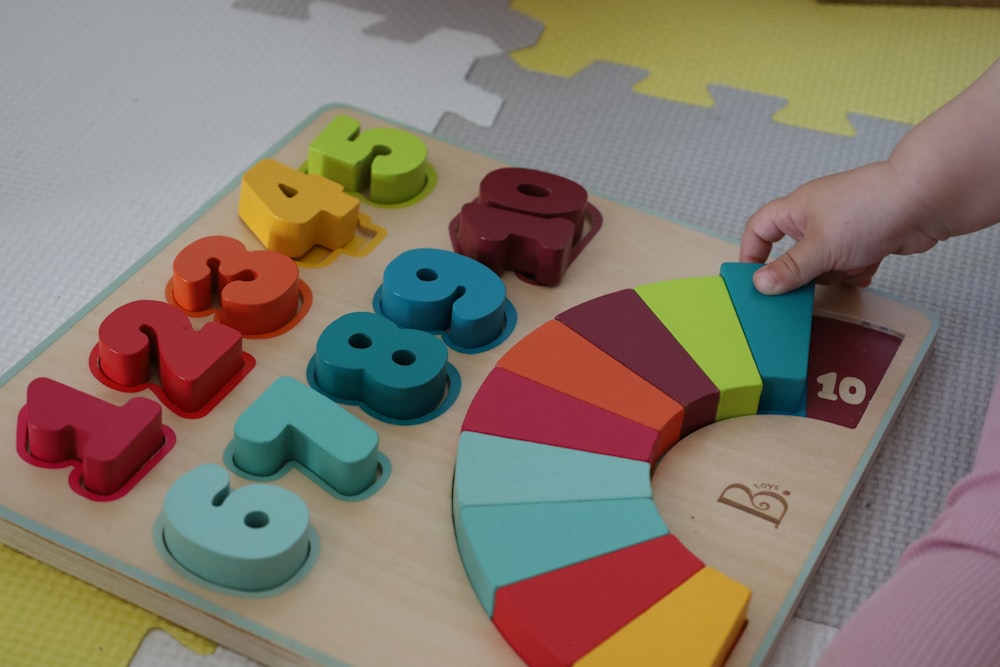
(439, 291)
(394, 374)
(254, 539)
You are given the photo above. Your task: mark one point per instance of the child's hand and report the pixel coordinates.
(843, 225)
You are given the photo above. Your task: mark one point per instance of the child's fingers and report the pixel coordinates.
(802, 264)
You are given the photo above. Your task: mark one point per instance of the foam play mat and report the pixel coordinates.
(827, 60)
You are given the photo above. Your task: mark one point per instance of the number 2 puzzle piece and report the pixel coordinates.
(395, 373)
(436, 290)
(253, 539)
(292, 423)
(258, 290)
(196, 368)
(388, 162)
(291, 212)
(528, 221)
(111, 447)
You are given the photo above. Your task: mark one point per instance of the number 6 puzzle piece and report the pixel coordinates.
(111, 447)
(291, 423)
(253, 539)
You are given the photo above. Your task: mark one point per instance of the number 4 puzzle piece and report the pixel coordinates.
(111, 447)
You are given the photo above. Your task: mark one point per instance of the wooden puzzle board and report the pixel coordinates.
(388, 587)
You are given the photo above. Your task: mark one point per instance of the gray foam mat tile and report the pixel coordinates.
(713, 167)
(410, 21)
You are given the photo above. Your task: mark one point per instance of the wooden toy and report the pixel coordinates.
(403, 572)
(777, 331)
(512, 406)
(558, 617)
(700, 314)
(624, 327)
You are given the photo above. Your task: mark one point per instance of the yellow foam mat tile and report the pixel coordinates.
(897, 63)
(50, 618)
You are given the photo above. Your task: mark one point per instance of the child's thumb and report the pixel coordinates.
(797, 267)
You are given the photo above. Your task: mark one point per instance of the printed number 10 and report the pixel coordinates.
(850, 390)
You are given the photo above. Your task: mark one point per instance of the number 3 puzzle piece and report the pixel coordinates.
(290, 423)
(253, 539)
(196, 368)
(436, 290)
(111, 447)
(258, 290)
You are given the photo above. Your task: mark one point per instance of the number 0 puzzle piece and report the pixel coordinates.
(258, 290)
(436, 290)
(292, 423)
(110, 446)
(290, 212)
(253, 539)
(196, 368)
(388, 162)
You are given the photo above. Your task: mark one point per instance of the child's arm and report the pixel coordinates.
(942, 180)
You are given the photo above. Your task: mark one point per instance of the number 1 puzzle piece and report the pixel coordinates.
(111, 447)
(290, 423)
(388, 162)
(290, 212)
(258, 290)
(196, 368)
(253, 539)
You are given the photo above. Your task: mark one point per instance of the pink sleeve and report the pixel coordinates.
(942, 605)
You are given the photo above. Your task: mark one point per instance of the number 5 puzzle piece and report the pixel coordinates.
(388, 162)
(292, 424)
(196, 368)
(111, 447)
(290, 212)
(253, 539)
